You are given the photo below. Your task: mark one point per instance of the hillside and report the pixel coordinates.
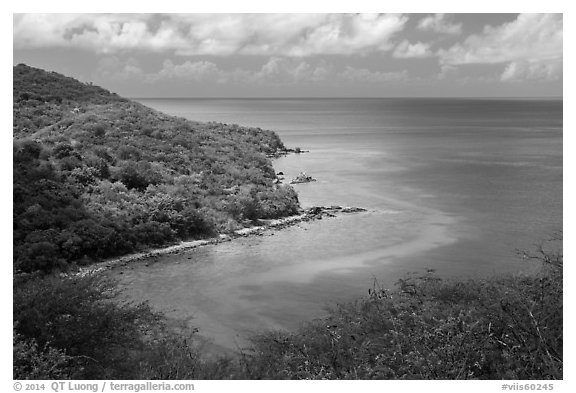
(98, 175)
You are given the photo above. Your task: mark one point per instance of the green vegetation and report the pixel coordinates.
(507, 328)
(78, 328)
(428, 328)
(96, 175)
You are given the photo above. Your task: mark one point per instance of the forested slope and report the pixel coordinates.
(97, 175)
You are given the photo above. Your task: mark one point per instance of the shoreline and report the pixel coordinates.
(309, 214)
(219, 331)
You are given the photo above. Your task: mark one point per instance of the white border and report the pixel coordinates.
(231, 6)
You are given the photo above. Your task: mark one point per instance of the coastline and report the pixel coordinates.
(313, 213)
(218, 308)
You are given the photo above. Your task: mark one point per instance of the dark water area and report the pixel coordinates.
(456, 185)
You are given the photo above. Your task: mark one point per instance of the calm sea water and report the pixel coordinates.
(453, 185)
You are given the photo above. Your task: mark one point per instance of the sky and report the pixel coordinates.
(300, 55)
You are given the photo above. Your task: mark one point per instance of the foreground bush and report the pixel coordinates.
(32, 362)
(74, 325)
(501, 328)
(80, 328)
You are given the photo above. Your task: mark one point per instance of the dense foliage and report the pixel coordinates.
(76, 328)
(42, 98)
(96, 175)
(501, 328)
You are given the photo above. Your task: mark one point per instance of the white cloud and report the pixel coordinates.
(211, 34)
(523, 70)
(196, 71)
(277, 71)
(406, 50)
(281, 70)
(100, 32)
(348, 34)
(531, 46)
(530, 36)
(439, 23)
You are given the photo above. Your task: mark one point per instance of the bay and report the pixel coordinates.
(455, 185)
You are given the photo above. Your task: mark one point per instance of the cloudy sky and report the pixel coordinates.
(295, 55)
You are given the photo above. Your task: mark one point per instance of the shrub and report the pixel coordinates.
(99, 129)
(99, 166)
(42, 255)
(26, 151)
(79, 328)
(501, 328)
(103, 153)
(129, 153)
(133, 176)
(147, 130)
(77, 318)
(280, 202)
(63, 150)
(154, 233)
(69, 163)
(85, 175)
(30, 362)
(178, 357)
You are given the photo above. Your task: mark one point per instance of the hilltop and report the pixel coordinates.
(98, 175)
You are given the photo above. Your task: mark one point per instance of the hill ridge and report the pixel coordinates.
(98, 175)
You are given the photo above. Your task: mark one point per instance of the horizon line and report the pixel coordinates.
(347, 98)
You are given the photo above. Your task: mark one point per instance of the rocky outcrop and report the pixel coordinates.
(284, 152)
(302, 178)
(317, 212)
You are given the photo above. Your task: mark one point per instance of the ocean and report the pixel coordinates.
(454, 185)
